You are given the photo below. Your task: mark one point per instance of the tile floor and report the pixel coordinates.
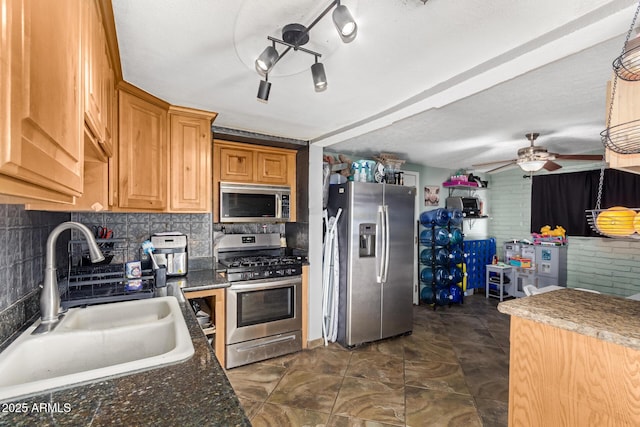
(452, 371)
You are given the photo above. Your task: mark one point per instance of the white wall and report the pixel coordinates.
(610, 266)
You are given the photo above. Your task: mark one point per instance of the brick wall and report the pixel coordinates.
(610, 266)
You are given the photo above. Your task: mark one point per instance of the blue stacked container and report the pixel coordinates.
(442, 277)
(438, 217)
(478, 254)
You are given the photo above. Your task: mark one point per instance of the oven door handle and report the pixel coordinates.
(263, 284)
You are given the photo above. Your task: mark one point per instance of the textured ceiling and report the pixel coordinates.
(442, 83)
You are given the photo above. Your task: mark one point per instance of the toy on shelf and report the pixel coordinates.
(547, 236)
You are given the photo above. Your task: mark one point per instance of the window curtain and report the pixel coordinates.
(561, 199)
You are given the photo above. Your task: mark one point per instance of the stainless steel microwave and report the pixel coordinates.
(254, 202)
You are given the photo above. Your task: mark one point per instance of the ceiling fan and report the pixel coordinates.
(535, 157)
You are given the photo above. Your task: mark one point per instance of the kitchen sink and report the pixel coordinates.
(96, 342)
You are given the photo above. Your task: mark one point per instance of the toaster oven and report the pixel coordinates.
(470, 206)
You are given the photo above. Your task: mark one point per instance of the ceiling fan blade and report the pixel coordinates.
(495, 162)
(594, 157)
(551, 166)
(499, 168)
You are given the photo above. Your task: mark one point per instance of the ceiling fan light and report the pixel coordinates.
(266, 60)
(319, 77)
(531, 165)
(345, 24)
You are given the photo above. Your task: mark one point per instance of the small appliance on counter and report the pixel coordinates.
(171, 251)
(470, 206)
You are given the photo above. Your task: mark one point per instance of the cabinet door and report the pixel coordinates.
(236, 164)
(142, 154)
(271, 168)
(94, 64)
(190, 154)
(40, 98)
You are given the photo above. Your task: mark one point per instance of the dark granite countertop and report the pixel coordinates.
(200, 280)
(605, 317)
(193, 392)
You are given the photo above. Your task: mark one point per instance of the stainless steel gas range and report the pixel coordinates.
(264, 301)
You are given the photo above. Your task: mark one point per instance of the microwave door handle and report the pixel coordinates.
(278, 206)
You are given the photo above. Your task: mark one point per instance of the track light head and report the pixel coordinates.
(345, 24)
(319, 77)
(266, 60)
(264, 89)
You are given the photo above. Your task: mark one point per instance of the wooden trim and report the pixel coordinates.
(186, 111)
(15, 190)
(141, 94)
(109, 23)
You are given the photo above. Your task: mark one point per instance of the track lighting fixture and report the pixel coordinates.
(267, 59)
(345, 23)
(294, 36)
(264, 89)
(319, 77)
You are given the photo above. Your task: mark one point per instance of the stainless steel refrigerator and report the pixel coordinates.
(376, 238)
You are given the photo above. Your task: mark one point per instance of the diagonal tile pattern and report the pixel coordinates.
(452, 371)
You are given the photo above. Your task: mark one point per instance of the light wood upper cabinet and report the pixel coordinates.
(41, 155)
(163, 160)
(142, 151)
(236, 164)
(272, 168)
(190, 160)
(99, 82)
(255, 164)
(626, 108)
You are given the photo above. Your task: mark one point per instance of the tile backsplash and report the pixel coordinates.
(138, 227)
(23, 237)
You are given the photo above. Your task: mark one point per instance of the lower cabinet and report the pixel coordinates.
(216, 300)
(561, 377)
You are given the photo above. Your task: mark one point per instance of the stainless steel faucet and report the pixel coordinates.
(50, 296)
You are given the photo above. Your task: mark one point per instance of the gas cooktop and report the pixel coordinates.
(262, 267)
(261, 260)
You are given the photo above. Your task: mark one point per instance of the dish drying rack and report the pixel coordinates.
(84, 283)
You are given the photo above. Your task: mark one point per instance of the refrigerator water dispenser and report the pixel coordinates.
(367, 240)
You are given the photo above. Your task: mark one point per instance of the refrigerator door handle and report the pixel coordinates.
(381, 253)
(385, 231)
